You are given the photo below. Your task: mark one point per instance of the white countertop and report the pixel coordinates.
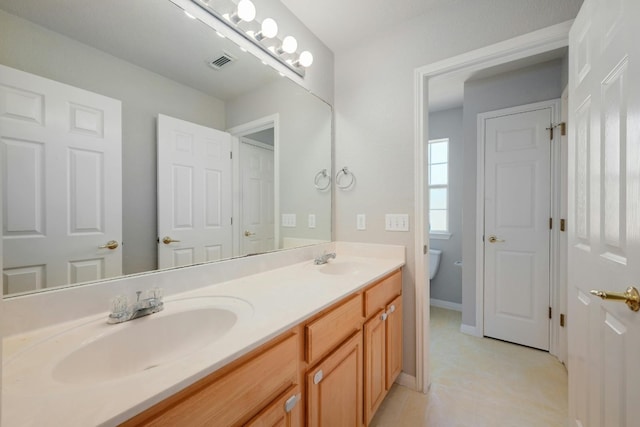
(279, 299)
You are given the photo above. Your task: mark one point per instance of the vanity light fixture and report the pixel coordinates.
(289, 45)
(284, 51)
(246, 12)
(304, 60)
(268, 30)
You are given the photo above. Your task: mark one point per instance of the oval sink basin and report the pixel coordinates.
(342, 267)
(107, 352)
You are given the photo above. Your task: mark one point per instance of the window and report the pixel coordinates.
(439, 186)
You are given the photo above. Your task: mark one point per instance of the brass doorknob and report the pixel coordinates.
(631, 297)
(166, 240)
(248, 233)
(111, 244)
(494, 239)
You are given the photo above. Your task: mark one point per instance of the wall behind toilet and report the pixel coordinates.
(447, 285)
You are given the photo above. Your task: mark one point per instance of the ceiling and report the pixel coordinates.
(341, 24)
(152, 34)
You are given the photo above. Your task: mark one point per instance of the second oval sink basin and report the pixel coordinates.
(182, 328)
(342, 267)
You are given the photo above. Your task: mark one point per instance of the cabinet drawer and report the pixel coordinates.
(231, 398)
(377, 297)
(328, 331)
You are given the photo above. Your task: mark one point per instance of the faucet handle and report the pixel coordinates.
(155, 293)
(119, 304)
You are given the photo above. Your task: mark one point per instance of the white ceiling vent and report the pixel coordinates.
(221, 61)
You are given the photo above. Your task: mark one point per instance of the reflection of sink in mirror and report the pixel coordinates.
(342, 267)
(99, 352)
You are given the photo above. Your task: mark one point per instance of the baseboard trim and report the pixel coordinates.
(470, 330)
(446, 304)
(406, 380)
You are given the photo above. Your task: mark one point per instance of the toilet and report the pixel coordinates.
(434, 262)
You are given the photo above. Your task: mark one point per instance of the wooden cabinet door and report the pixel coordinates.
(285, 411)
(394, 340)
(334, 387)
(375, 349)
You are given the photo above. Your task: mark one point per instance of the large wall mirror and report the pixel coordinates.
(135, 138)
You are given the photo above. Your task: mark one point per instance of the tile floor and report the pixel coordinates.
(480, 382)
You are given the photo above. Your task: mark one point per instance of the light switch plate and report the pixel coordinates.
(361, 222)
(396, 222)
(312, 221)
(288, 220)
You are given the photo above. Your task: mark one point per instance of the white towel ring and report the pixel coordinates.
(320, 177)
(342, 173)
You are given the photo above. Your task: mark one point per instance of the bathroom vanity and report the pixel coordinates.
(303, 344)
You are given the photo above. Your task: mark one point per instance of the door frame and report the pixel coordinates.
(266, 122)
(540, 41)
(554, 199)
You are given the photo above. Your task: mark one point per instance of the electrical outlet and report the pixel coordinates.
(361, 222)
(312, 221)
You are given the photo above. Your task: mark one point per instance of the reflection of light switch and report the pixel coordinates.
(312, 221)
(288, 220)
(361, 222)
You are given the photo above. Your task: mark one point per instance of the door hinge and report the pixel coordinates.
(549, 312)
(231, 220)
(562, 319)
(561, 125)
(563, 128)
(231, 155)
(550, 223)
(563, 224)
(425, 248)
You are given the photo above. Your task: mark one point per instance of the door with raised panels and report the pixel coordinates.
(257, 195)
(194, 193)
(517, 202)
(62, 189)
(604, 214)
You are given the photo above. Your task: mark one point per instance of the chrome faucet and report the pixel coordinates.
(122, 311)
(324, 258)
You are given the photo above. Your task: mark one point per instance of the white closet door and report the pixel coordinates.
(194, 193)
(258, 225)
(62, 189)
(516, 230)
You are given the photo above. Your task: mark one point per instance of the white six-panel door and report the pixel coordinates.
(257, 208)
(62, 184)
(194, 193)
(604, 213)
(517, 203)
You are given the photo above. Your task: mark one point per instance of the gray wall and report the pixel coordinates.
(144, 95)
(305, 147)
(540, 82)
(374, 113)
(447, 285)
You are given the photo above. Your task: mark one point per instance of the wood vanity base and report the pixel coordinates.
(334, 369)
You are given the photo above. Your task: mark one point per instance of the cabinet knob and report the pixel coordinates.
(392, 308)
(384, 316)
(291, 402)
(318, 377)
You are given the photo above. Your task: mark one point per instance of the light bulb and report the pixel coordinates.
(305, 59)
(269, 28)
(246, 10)
(289, 44)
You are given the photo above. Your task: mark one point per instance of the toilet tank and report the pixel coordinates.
(434, 262)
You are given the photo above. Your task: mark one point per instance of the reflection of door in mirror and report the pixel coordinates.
(194, 193)
(257, 201)
(62, 195)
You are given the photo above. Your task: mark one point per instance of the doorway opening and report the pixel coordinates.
(255, 160)
(526, 46)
